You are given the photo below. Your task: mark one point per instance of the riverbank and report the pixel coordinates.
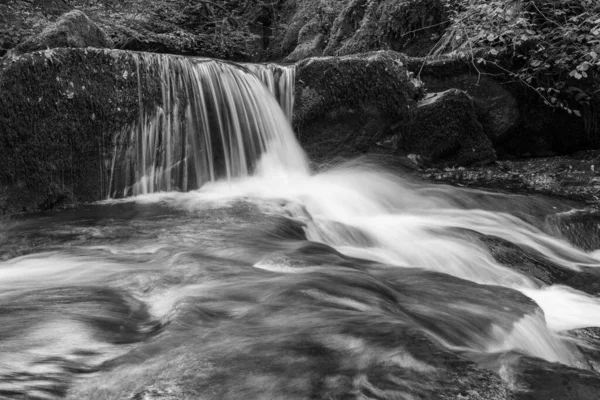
(573, 177)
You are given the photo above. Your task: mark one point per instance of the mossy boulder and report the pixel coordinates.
(515, 117)
(345, 105)
(73, 29)
(301, 28)
(60, 111)
(409, 26)
(444, 129)
(311, 28)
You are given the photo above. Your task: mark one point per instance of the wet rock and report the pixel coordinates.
(580, 228)
(538, 267)
(158, 393)
(527, 262)
(372, 340)
(568, 177)
(73, 29)
(445, 130)
(539, 379)
(588, 343)
(60, 110)
(345, 105)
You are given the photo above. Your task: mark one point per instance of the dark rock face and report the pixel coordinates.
(59, 112)
(344, 105)
(445, 130)
(74, 29)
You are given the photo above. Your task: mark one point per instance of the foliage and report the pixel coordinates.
(547, 45)
(220, 28)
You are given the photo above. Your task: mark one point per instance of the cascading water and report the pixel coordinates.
(235, 272)
(214, 121)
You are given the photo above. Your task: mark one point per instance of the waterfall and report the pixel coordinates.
(224, 129)
(215, 120)
(280, 81)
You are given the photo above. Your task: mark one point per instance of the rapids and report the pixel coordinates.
(278, 281)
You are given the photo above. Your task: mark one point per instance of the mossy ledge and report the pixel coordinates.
(60, 112)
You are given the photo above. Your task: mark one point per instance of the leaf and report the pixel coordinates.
(575, 74)
(584, 66)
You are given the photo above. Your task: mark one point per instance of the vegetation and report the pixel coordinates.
(219, 29)
(546, 45)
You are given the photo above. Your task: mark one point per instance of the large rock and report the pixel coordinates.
(409, 26)
(319, 27)
(345, 105)
(73, 29)
(497, 108)
(513, 116)
(301, 28)
(60, 110)
(445, 130)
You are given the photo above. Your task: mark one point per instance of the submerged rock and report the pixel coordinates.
(345, 105)
(580, 228)
(73, 29)
(445, 130)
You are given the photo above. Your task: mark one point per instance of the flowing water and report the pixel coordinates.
(237, 272)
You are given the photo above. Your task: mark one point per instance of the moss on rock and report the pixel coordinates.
(59, 113)
(73, 29)
(410, 26)
(445, 129)
(344, 105)
(312, 28)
